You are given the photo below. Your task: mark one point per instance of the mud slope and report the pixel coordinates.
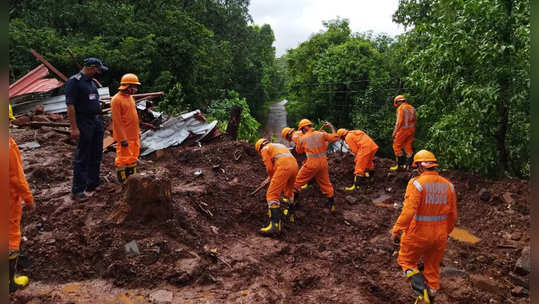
(211, 241)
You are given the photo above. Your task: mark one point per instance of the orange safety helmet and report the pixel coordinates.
(398, 98)
(128, 79)
(259, 143)
(342, 132)
(304, 122)
(427, 157)
(285, 132)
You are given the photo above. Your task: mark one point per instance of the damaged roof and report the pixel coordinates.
(174, 131)
(34, 82)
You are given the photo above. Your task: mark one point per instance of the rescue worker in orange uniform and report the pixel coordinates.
(403, 134)
(19, 192)
(291, 135)
(428, 216)
(125, 127)
(364, 148)
(314, 144)
(282, 169)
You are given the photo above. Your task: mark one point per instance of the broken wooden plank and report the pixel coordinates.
(107, 142)
(47, 124)
(48, 65)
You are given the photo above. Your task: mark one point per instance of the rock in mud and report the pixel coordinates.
(523, 263)
(351, 200)
(484, 195)
(149, 196)
(508, 198)
(519, 291)
(161, 297)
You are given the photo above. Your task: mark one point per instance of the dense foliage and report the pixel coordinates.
(463, 64)
(220, 110)
(193, 47)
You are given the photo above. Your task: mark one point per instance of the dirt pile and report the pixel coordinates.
(210, 240)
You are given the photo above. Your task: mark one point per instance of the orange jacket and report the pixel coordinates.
(275, 155)
(296, 136)
(358, 140)
(125, 123)
(430, 207)
(315, 143)
(18, 186)
(406, 117)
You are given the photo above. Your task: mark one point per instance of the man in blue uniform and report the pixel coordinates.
(84, 111)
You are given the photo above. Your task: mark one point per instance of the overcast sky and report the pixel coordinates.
(293, 21)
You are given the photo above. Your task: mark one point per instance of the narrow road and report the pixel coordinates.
(276, 121)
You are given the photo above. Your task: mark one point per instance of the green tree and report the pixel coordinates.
(469, 69)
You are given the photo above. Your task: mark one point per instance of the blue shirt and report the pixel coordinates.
(81, 91)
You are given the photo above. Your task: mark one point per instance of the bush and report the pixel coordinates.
(219, 110)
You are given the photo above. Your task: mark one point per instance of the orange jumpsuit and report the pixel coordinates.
(282, 169)
(18, 191)
(364, 148)
(314, 144)
(404, 129)
(125, 126)
(296, 136)
(428, 216)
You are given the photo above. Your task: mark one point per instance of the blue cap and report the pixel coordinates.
(95, 62)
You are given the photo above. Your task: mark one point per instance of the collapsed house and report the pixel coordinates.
(37, 101)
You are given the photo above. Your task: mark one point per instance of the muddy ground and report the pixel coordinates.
(209, 250)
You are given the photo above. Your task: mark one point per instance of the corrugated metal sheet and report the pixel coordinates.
(34, 82)
(55, 104)
(174, 131)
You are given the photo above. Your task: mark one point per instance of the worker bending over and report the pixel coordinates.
(291, 135)
(364, 148)
(125, 127)
(403, 134)
(427, 218)
(282, 169)
(314, 144)
(19, 192)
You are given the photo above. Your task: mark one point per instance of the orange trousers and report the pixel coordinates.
(127, 155)
(404, 137)
(364, 160)
(432, 249)
(15, 214)
(316, 167)
(283, 180)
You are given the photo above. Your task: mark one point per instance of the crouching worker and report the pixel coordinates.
(126, 130)
(19, 192)
(282, 169)
(364, 148)
(427, 218)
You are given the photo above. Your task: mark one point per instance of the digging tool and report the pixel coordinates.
(262, 185)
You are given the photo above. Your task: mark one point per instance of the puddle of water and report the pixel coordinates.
(463, 235)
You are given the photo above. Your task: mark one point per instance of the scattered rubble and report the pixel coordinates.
(317, 258)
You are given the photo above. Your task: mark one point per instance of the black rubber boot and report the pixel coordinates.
(130, 170)
(331, 204)
(289, 210)
(417, 281)
(15, 282)
(408, 162)
(274, 226)
(121, 173)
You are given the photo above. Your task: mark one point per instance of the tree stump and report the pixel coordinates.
(149, 196)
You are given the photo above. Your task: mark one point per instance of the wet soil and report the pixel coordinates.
(209, 250)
